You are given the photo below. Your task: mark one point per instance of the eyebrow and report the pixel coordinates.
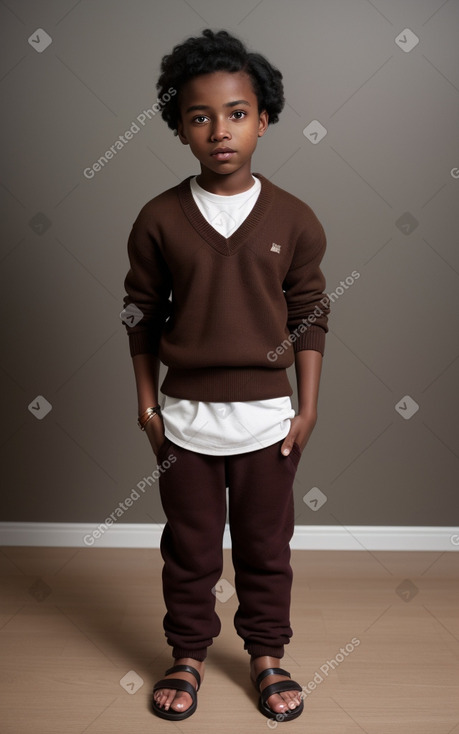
(197, 107)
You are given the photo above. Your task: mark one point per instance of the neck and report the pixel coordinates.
(226, 184)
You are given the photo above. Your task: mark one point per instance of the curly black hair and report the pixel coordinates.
(217, 51)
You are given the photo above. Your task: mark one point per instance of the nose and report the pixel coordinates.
(220, 131)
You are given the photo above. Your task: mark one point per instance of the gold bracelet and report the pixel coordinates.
(147, 415)
(152, 415)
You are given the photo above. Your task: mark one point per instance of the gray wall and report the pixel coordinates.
(384, 182)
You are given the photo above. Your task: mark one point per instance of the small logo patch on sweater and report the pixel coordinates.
(275, 248)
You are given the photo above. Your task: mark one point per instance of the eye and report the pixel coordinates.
(240, 114)
(199, 119)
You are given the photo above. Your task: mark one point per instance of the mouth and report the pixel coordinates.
(223, 154)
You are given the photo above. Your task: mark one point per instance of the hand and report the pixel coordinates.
(300, 431)
(155, 432)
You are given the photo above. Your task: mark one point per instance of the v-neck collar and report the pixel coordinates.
(224, 245)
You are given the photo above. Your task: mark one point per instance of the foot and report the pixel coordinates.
(179, 701)
(278, 702)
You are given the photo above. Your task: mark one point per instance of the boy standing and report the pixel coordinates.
(225, 270)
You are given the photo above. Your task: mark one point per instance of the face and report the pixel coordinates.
(219, 112)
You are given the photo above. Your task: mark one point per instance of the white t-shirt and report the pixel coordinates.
(236, 427)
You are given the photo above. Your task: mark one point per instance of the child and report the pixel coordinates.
(224, 272)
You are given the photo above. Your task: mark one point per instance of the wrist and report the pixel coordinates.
(308, 414)
(148, 415)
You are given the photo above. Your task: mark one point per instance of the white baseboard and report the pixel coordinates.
(306, 537)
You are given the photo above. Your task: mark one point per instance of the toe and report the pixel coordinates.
(165, 697)
(178, 700)
(160, 697)
(284, 701)
(277, 704)
(170, 699)
(181, 702)
(280, 703)
(292, 699)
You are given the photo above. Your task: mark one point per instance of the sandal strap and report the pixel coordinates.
(185, 669)
(270, 671)
(177, 684)
(279, 687)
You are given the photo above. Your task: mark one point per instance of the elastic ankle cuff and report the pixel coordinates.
(256, 650)
(181, 652)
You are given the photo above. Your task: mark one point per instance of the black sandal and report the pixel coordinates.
(179, 685)
(279, 687)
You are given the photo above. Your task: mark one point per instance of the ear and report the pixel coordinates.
(181, 134)
(263, 123)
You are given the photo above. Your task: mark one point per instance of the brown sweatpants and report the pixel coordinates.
(261, 521)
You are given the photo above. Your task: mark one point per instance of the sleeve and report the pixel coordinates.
(304, 286)
(148, 285)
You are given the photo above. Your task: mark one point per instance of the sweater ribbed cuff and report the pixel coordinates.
(140, 342)
(312, 338)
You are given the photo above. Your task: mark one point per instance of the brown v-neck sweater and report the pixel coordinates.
(226, 316)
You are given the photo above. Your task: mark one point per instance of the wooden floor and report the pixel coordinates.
(77, 624)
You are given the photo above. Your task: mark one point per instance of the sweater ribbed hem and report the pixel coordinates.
(226, 384)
